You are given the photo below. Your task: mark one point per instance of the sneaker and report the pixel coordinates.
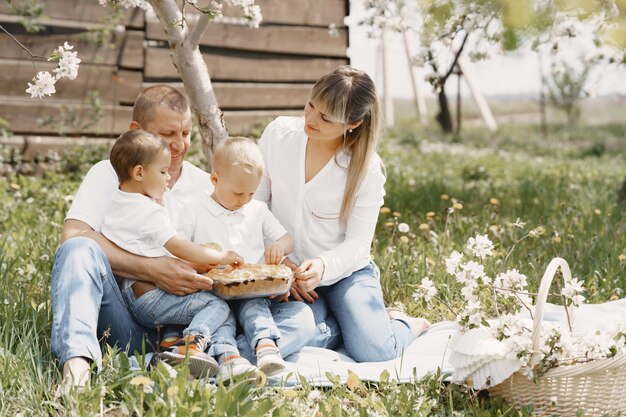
(268, 359)
(417, 324)
(191, 348)
(76, 374)
(234, 367)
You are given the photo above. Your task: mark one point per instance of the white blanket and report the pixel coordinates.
(427, 353)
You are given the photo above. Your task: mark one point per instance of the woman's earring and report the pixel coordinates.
(350, 130)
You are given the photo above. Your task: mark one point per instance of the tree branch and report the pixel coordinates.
(33, 56)
(198, 30)
(456, 59)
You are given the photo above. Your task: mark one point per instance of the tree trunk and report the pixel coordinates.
(188, 60)
(443, 117)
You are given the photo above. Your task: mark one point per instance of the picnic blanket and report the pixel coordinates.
(429, 352)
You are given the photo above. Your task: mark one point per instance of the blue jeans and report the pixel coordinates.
(255, 317)
(201, 311)
(295, 326)
(87, 303)
(354, 310)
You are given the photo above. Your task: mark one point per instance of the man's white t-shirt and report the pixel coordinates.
(97, 188)
(310, 210)
(244, 231)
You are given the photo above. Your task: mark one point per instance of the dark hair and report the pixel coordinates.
(135, 147)
(158, 95)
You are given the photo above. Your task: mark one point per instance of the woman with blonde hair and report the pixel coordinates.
(325, 183)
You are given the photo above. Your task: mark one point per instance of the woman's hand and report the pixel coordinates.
(308, 277)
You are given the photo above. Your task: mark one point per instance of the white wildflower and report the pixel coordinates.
(572, 291)
(480, 246)
(426, 290)
(403, 228)
(314, 396)
(453, 262)
(43, 85)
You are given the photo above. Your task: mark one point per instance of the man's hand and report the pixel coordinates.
(274, 254)
(175, 276)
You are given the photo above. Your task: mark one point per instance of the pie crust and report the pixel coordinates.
(250, 281)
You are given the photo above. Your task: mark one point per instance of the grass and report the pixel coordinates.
(565, 187)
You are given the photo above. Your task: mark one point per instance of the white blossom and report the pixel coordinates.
(480, 246)
(572, 291)
(403, 228)
(426, 290)
(43, 85)
(67, 62)
(453, 262)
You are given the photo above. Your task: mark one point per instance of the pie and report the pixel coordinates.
(250, 281)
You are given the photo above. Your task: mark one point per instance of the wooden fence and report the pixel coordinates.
(257, 73)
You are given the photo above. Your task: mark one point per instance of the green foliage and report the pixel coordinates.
(31, 11)
(489, 182)
(566, 87)
(81, 118)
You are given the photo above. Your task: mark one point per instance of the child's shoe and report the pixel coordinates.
(269, 359)
(192, 346)
(234, 367)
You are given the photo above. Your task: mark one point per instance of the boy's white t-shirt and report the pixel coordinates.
(244, 231)
(310, 210)
(97, 188)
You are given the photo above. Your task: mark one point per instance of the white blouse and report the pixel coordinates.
(310, 211)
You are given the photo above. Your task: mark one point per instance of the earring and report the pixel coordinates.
(350, 130)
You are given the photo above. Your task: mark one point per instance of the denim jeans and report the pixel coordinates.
(256, 320)
(354, 307)
(295, 324)
(201, 311)
(87, 304)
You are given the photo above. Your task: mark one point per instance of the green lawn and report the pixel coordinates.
(565, 188)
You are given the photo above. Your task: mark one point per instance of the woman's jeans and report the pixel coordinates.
(87, 304)
(353, 310)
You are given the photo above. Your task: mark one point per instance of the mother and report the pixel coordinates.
(325, 183)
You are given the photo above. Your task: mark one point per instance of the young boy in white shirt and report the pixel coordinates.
(231, 218)
(137, 221)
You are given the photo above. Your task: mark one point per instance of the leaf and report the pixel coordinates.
(353, 381)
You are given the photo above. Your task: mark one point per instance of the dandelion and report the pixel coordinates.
(598, 211)
(430, 215)
(143, 381)
(556, 239)
(444, 197)
(389, 224)
(494, 202)
(423, 227)
(403, 228)
(457, 206)
(622, 257)
(404, 239)
(480, 246)
(396, 214)
(385, 210)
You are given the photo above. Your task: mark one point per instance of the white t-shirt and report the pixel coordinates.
(244, 231)
(310, 211)
(138, 224)
(97, 188)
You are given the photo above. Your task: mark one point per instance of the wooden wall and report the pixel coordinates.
(257, 73)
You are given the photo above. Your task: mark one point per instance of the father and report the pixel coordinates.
(86, 300)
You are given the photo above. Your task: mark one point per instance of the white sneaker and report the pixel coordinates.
(417, 324)
(76, 374)
(269, 359)
(236, 368)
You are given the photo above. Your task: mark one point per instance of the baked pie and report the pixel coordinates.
(250, 281)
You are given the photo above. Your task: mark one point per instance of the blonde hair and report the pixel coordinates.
(238, 152)
(135, 147)
(155, 96)
(348, 95)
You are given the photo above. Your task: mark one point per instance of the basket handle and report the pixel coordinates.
(542, 297)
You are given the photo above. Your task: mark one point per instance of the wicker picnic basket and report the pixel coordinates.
(598, 387)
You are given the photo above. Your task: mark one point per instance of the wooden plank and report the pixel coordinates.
(78, 10)
(299, 40)
(24, 116)
(245, 67)
(300, 12)
(47, 41)
(240, 96)
(252, 123)
(113, 86)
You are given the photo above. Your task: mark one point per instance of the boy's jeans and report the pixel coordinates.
(87, 303)
(354, 309)
(202, 311)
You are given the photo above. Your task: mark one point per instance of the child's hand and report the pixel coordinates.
(232, 258)
(274, 254)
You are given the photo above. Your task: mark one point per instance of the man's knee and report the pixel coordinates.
(81, 247)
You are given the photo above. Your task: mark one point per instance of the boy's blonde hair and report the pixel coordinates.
(348, 95)
(238, 152)
(135, 147)
(158, 95)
